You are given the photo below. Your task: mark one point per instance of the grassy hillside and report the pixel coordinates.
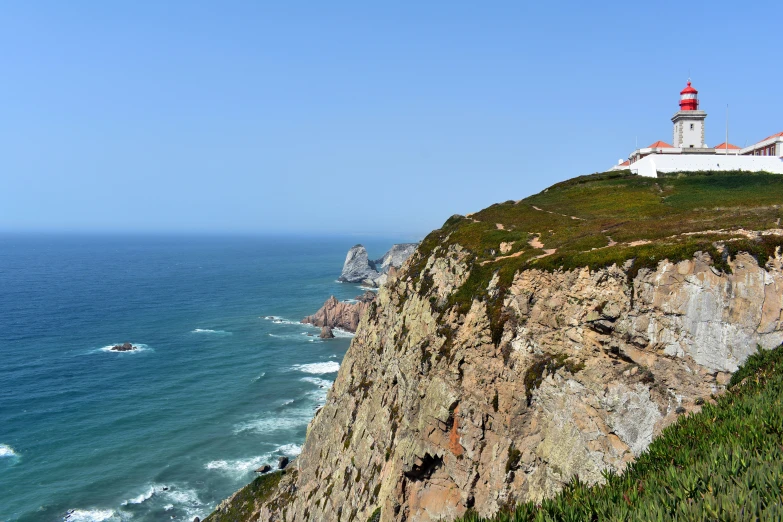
(724, 464)
(611, 218)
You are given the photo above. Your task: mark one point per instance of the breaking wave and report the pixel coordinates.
(90, 515)
(339, 332)
(318, 368)
(7, 451)
(280, 320)
(239, 467)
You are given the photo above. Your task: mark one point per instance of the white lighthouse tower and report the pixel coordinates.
(689, 121)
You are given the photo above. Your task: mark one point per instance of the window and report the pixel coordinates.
(691, 126)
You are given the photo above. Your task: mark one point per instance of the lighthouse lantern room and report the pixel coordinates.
(689, 121)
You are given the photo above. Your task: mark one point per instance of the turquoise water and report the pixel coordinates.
(217, 389)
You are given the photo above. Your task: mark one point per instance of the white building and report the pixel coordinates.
(690, 153)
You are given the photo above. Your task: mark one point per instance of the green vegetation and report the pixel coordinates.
(248, 498)
(603, 219)
(544, 365)
(724, 463)
(376, 516)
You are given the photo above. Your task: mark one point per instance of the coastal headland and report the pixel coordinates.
(536, 341)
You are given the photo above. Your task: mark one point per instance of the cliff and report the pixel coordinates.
(538, 340)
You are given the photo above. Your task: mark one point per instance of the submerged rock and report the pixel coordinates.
(125, 347)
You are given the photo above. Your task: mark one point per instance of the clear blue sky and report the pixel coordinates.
(350, 117)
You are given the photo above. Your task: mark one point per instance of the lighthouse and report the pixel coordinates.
(689, 121)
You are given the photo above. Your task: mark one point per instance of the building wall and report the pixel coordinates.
(689, 133)
(770, 147)
(651, 165)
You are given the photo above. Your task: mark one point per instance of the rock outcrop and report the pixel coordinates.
(341, 314)
(359, 268)
(396, 256)
(429, 416)
(125, 347)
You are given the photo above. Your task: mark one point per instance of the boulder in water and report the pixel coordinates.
(282, 462)
(266, 468)
(125, 347)
(326, 333)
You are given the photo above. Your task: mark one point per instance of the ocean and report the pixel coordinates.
(226, 379)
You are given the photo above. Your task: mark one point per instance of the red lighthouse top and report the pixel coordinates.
(689, 100)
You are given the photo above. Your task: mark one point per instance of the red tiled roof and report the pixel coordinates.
(660, 145)
(625, 163)
(723, 146)
(778, 135)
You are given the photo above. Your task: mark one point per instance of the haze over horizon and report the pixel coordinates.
(349, 118)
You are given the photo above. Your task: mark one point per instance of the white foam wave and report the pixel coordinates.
(259, 376)
(138, 348)
(280, 320)
(290, 450)
(7, 451)
(181, 498)
(271, 423)
(323, 389)
(339, 332)
(238, 467)
(90, 515)
(318, 368)
(142, 497)
(370, 288)
(297, 338)
(321, 383)
(208, 331)
(286, 403)
(185, 499)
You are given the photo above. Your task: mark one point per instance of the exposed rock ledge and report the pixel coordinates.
(343, 315)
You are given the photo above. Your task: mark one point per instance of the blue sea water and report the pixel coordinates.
(217, 389)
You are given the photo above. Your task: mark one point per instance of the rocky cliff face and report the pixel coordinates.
(426, 424)
(496, 365)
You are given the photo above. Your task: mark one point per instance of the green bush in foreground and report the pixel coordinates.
(722, 464)
(246, 499)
